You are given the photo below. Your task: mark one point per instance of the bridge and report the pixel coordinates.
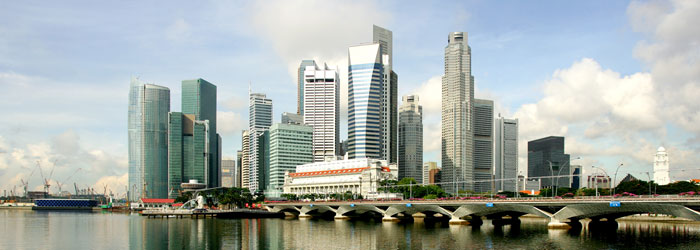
(561, 213)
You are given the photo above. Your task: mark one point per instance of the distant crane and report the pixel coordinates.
(77, 191)
(24, 186)
(47, 183)
(60, 184)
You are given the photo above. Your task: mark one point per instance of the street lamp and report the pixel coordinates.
(596, 178)
(559, 172)
(615, 181)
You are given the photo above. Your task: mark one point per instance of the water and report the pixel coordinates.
(26, 229)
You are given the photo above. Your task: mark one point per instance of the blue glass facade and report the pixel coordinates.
(365, 92)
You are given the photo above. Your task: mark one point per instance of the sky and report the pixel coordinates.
(618, 79)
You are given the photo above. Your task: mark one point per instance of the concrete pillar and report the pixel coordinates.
(341, 217)
(304, 215)
(556, 224)
(387, 218)
(458, 221)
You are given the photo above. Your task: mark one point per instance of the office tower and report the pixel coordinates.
(245, 159)
(506, 154)
(322, 109)
(457, 121)
(300, 84)
(546, 158)
(428, 168)
(199, 99)
(228, 174)
(292, 118)
(365, 91)
(238, 180)
(390, 94)
(290, 146)
(411, 139)
(263, 160)
(662, 176)
(483, 145)
(148, 132)
(576, 176)
(260, 121)
(187, 151)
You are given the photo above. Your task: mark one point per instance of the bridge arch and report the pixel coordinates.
(317, 208)
(498, 208)
(358, 208)
(284, 208)
(604, 210)
(415, 208)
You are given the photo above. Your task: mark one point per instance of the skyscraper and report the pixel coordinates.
(148, 135)
(300, 84)
(290, 146)
(365, 103)
(245, 159)
(199, 99)
(292, 118)
(237, 182)
(411, 139)
(506, 154)
(483, 145)
(546, 158)
(228, 174)
(322, 109)
(390, 94)
(260, 121)
(457, 121)
(188, 151)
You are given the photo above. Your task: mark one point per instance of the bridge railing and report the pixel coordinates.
(512, 199)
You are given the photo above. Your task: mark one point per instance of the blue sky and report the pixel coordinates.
(617, 78)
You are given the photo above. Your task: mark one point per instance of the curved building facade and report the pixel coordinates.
(365, 91)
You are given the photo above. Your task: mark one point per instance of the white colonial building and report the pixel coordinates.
(359, 176)
(662, 176)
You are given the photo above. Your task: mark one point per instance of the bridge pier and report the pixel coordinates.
(341, 217)
(557, 224)
(458, 221)
(389, 219)
(304, 216)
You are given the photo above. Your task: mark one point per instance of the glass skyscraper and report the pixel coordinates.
(199, 99)
(148, 136)
(457, 120)
(390, 94)
(483, 145)
(543, 152)
(301, 83)
(411, 139)
(188, 150)
(365, 103)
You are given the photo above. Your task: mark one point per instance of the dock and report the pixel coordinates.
(228, 214)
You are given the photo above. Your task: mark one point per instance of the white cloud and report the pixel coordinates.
(230, 123)
(179, 31)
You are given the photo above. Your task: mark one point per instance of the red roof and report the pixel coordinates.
(147, 200)
(333, 172)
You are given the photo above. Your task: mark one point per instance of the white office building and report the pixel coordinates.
(322, 109)
(506, 154)
(662, 175)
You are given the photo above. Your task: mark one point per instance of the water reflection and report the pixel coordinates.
(66, 230)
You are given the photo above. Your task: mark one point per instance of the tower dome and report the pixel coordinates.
(661, 149)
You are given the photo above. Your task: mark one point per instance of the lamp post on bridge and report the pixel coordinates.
(615, 181)
(559, 173)
(596, 178)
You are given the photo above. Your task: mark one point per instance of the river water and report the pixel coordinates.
(26, 229)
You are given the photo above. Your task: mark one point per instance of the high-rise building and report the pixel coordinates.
(389, 95)
(199, 99)
(245, 159)
(238, 180)
(457, 118)
(506, 154)
(576, 176)
(428, 167)
(292, 118)
(148, 135)
(411, 139)
(290, 146)
(228, 173)
(365, 102)
(322, 109)
(260, 121)
(483, 145)
(263, 160)
(546, 158)
(662, 176)
(187, 151)
(300, 84)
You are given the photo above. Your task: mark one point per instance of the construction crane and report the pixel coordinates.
(24, 186)
(60, 184)
(47, 184)
(77, 191)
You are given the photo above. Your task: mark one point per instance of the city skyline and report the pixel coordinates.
(600, 122)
